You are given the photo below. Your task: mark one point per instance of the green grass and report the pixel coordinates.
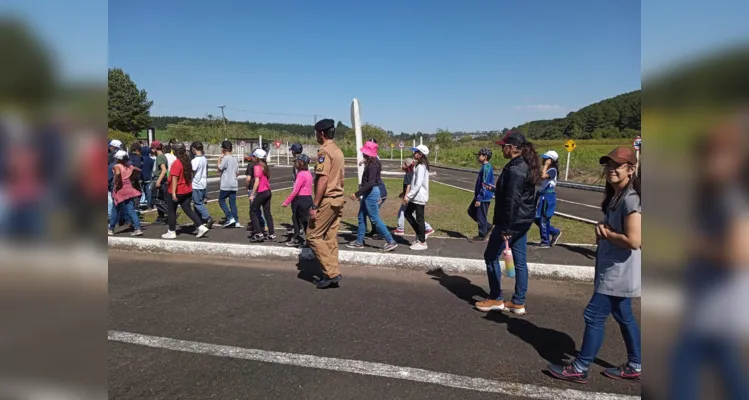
(584, 166)
(446, 212)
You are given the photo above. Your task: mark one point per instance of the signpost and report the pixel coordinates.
(241, 153)
(570, 146)
(401, 145)
(392, 146)
(287, 152)
(356, 124)
(277, 143)
(436, 151)
(637, 144)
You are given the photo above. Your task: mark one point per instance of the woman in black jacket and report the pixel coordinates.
(514, 212)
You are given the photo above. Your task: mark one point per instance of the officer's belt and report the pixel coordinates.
(332, 197)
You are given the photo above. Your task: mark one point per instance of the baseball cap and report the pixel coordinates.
(303, 158)
(621, 155)
(259, 153)
(120, 155)
(551, 154)
(514, 138)
(485, 152)
(422, 149)
(116, 143)
(296, 148)
(156, 144)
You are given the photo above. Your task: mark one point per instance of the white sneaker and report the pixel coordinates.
(238, 225)
(202, 230)
(169, 235)
(230, 223)
(419, 246)
(137, 233)
(110, 232)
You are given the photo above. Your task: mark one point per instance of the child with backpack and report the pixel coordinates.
(547, 200)
(300, 200)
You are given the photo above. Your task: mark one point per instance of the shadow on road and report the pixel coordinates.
(551, 345)
(589, 253)
(461, 287)
(453, 234)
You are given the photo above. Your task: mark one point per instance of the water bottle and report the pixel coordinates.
(509, 262)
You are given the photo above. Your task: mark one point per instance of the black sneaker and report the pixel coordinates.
(209, 222)
(568, 373)
(294, 243)
(257, 238)
(555, 238)
(625, 372)
(377, 236)
(326, 282)
(478, 238)
(271, 237)
(389, 246)
(355, 245)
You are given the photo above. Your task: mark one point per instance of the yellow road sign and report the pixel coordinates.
(570, 145)
(392, 145)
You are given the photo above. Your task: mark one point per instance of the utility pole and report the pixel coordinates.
(223, 119)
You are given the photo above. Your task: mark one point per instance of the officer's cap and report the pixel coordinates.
(324, 125)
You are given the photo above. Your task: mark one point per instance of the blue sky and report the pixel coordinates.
(415, 65)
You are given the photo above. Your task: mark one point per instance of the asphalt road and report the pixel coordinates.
(394, 318)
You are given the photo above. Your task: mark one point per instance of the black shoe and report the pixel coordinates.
(294, 243)
(160, 221)
(209, 223)
(479, 238)
(555, 238)
(326, 282)
(257, 239)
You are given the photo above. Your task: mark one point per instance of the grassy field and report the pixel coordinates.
(446, 212)
(584, 166)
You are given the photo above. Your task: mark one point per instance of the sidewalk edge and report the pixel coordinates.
(387, 260)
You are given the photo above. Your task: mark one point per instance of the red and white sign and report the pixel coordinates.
(637, 143)
(277, 144)
(401, 145)
(241, 144)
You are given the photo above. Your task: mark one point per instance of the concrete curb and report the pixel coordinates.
(387, 260)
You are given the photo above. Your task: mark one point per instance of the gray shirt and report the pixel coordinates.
(228, 169)
(619, 270)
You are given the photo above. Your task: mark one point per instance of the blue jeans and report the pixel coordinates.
(690, 356)
(198, 199)
(110, 205)
(126, 208)
(494, 248)
(232, 195)
(147, 197)
(368, 208)
(546, 207)
(596, 313)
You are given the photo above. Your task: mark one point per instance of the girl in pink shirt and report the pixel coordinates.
(300, 200)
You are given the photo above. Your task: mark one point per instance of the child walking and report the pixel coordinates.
(260, 197)
(123, 193)
(228, 167)
(482, 197)
(408, 168)
(418, 196)
(618, 272)
(547, 200)
(300, 200)
(180, 192)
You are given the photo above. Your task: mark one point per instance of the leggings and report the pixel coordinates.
(416, 223)
(183, 200)
(262, 200)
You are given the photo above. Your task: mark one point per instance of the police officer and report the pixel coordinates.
(325, 214)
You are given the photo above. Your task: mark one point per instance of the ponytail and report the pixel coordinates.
(424, 161)
(266, 170)
(528, 152)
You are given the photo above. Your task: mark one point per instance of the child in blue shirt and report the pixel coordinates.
(482, 197)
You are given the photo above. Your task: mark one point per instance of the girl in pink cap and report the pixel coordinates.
(369, 192)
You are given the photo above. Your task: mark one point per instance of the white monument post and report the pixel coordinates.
(356, 124)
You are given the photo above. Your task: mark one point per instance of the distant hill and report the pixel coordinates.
(617, 117)
(160, 123)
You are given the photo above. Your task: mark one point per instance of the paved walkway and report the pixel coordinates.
(438, 246)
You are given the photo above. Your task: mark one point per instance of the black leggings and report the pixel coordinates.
(183, 200)
(262, 200)
(300, 206)
(416, 223)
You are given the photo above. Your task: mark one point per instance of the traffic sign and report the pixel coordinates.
(277, 144)
(392, 145)
(401, 145)
(637, 143)
(241, 144)
(570, 145)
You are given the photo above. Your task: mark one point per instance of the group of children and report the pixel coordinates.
(478, 210)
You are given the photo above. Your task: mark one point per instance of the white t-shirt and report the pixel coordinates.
(170, 159)
(200, 170)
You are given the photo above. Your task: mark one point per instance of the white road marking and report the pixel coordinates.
(363, 368)
(580, 204)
